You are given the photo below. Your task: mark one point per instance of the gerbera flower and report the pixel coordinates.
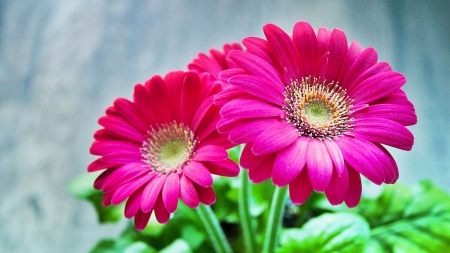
(314, 113)
(162, 146)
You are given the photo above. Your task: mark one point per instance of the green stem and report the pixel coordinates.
(274, 222)
(215, 232)
(244, 213)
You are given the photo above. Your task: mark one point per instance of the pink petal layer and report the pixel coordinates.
(210, 153)
(151, 193)
(259, 87)
(161, 214)
(354, 188)
(170, 192)
(289, 162)
(248, 131)
(398, 113)
(124, 191)
(249, 108)
(320, 166)
(133, 205)
(188, 194)
(337, 190)
(198, 173)
(141, 220)
(262, 172)
(122, 175)
(305, 41)
(206, 195)
(300, 188)
(363, 157)
(274, 138)
(384, 131)
(227, 168)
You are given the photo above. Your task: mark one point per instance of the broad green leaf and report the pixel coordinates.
(139, 247)
(178, 246)
(403, 220)
(82, 188)
(339, 232)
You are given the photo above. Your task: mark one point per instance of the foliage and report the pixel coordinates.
(400, 219)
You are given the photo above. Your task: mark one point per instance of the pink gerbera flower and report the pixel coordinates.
(315, 112)
(162, 146)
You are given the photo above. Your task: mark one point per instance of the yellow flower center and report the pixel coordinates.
(168, 148)
(318, 110)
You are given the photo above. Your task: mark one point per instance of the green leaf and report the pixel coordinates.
(403, 220)
(339, 232)
(139, 247)
(178, 246)
(82, 188)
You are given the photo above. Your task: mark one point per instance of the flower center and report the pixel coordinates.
(318, 110)
(168, 148)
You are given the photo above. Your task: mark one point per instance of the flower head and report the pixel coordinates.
(315, 112)
(162, 146)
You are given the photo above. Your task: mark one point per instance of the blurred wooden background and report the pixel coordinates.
(63, 62)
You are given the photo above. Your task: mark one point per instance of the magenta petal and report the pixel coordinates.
(375, 69)
(227, 168)
(353, 52)
(360, 155)
(262, 172)
(122, 157)
(338, 47)
(141, 220)
(191, 90)
(398, 113)
(367, 59)
(256, 66)
(188, 194)
(161, 214)
(354, 188)
(260, 48)
(320, 166)
(133, 203)
(249, 160)
(323, 36)
(300, 188)
(121, 127)
(123, 174)
(106, 200)
(210, 153)
(249, 108)
(198, 173)
(391, 170)
(100, 180)
(151, 193)
(377, 87)
(170, 192)
(131, 114)
(224, 126)
(284, 50)
(274, 138)
(247, 131)
(335, 155)
(227, 95)
(201, 112)
(105, 147)
(259, 87)
(206, 195)
(124, 191)
(289, 162)
(337, 190)
(384, 131)
(99, 165)
(305, 41)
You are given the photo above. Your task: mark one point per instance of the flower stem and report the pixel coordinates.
(244, 213)
(215, 232)
(274, 222)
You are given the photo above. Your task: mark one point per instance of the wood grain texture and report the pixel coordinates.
(63, 62)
